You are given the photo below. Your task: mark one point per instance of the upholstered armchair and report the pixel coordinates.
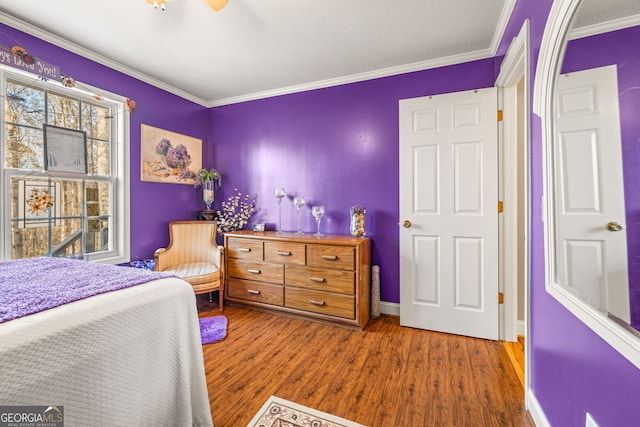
(194, 256)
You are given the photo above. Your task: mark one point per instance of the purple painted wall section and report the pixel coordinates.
(337, 147)
(621, 48)
(152, 204)
(573, 370)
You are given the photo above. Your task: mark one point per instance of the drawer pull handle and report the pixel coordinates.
(253, 292)
(316, 302)
(317, 279)
(284, 253)
(252, 271)
(244, 249)
(329, 257)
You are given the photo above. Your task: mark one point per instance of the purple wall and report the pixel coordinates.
(152, 204)
(573, 371)
(337, 147)
(621, 48)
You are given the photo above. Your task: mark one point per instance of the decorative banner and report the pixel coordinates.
(28, 63)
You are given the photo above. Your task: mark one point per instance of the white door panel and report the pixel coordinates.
(448, 192)
(591, 259)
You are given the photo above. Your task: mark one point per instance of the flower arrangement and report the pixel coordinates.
(205, 175)
(236, 211)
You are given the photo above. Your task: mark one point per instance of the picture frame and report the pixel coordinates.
(168, 157)
(38, 203)
(65, 150)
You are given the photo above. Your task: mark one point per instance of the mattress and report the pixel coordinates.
(131, 357)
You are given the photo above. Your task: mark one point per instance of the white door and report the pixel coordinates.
(592, 255)
(449, 213)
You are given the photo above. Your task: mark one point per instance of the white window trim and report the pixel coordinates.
(120, 234)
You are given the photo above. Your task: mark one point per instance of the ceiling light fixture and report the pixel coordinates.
(162, 4)
(216, 5)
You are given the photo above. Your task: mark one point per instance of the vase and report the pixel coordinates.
(357, 227)
(207, 193)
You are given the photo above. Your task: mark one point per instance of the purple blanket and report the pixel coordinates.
(32, 285)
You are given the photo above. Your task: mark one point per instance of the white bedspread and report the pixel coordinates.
(131, 357)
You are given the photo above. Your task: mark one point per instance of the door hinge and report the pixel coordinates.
(500, 207)
(500, 298)
(499, 115)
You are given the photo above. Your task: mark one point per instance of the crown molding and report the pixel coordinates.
(505, 16)
(360, 77)
(89, 54)
(604, 27)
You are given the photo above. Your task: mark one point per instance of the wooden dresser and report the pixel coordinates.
(326, 277)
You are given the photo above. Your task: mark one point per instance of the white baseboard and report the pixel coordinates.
(539, 418)
(520, 327)
(391, 308)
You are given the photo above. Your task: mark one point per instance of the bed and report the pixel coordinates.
(126, 356)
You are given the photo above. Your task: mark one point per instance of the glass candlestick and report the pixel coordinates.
(207, 193)
(298, 202)
(279, 194)
(317, 212)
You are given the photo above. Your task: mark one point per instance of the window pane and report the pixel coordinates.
(98, 219)
(24, 105)
(96, 121)
(97, 235)
(24, 148)
(66, 239)
(71, 199)
(28, 242)
(63, 111)
(98, 194)
(98, 161)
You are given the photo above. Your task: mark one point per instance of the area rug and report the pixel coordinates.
(277, 412)
(213, 329)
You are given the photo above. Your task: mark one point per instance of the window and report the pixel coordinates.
(64, 193)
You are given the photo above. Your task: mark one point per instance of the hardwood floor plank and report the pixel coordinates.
(386, 375)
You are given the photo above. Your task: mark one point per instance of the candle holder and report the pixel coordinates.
(207, 193)
(317, 212)
(279, 194)
(298, 202)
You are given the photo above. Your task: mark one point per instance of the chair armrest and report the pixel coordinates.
(156, 258)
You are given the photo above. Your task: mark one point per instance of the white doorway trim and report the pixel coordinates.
(515, 68)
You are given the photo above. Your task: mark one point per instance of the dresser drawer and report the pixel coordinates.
(321, 279)
(327, 256)
(244, 248)
(257, 271)
(285, 252)
(320, 302)
(256, 291)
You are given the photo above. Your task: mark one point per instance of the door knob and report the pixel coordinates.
(406, 223)
(614, 226)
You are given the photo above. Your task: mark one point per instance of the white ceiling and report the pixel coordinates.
(257, 48)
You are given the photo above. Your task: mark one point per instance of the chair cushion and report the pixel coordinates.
(195, 272)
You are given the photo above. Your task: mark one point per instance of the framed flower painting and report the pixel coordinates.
(168, 157)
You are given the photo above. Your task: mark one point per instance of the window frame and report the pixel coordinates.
(119, 232)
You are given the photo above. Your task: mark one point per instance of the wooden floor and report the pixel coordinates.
(515, 351)
(386, 375)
